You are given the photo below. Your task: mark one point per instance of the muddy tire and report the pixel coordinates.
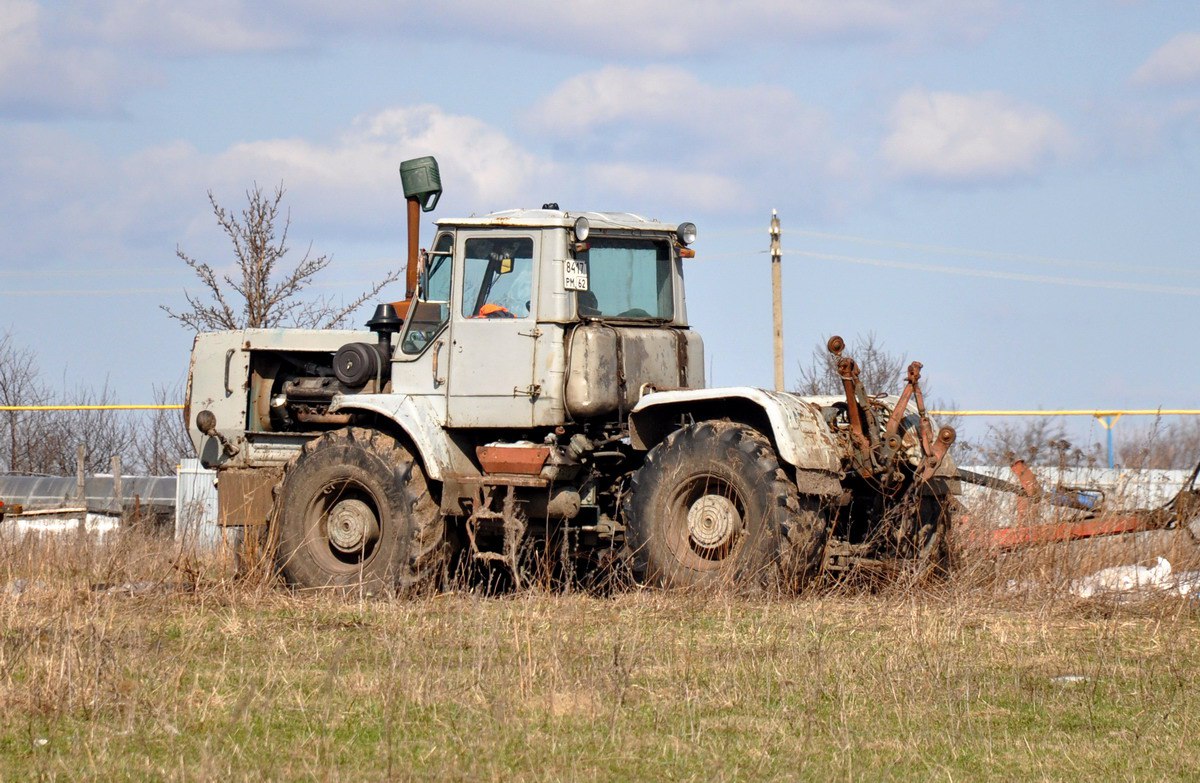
(353, 512)
(711, 507)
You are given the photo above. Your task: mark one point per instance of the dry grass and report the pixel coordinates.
(205, 678)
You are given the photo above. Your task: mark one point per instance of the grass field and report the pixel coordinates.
(192, 676)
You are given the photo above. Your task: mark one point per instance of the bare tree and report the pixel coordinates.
(162, 438)
(1036, 441)
(46, 441)
(262, 291)
(104, 434)
(1175, 445)
(24, 438)
(881, 370)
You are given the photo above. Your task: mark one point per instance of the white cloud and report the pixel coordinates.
(38, 79)
(352, 175)
(659, 107)
(182, 27)
(1175, 62)
(964, 138)
(63, 196)
(85, 57)
(684, 190)
(66, 200)
(659, 28)
(651, 28)
(723, 142)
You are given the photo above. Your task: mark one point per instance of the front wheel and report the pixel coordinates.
(711, 506)
(354, 511)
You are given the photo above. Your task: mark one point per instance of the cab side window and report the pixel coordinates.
(432, 308)
(497, 278)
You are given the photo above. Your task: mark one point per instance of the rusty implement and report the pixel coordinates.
(1049, 533)
(858, 411)
(1086, 505)
(876, 454)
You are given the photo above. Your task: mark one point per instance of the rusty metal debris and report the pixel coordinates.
(1088, 516)
(876, 456)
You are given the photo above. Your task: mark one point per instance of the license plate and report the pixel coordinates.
(575, 275)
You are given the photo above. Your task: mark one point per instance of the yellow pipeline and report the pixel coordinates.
(1096, 413)
(90, 407)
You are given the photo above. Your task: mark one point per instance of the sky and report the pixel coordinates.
(1005, 191)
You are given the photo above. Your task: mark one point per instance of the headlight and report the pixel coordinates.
(686, 233)
(582, 227)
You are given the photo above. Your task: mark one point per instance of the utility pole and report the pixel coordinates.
(777, 298)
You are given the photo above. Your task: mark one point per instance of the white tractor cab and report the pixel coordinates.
(539, 391)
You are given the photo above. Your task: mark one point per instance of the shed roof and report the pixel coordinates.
(45, 492)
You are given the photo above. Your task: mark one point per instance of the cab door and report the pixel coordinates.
(493, 330)
(419, 358)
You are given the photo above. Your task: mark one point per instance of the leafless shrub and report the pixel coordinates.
(46, 441)
(1036, 440)
(104, 434)
(881, 370)
(24, 432)
(262, 292)
(162, 438)
(1174, 445)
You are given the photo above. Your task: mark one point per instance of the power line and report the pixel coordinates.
(173, 290)
(1000, 275)
(90, 407)
(938, 249)
(1095, 413)
(1000, 255)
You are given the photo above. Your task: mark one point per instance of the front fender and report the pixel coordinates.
(801, 436)
(415, 415)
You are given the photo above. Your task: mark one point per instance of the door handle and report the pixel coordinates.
(228, 360)
(437, 352)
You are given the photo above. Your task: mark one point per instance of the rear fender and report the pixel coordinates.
(797, 428)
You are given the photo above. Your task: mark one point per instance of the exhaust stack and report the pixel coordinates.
(422, 188)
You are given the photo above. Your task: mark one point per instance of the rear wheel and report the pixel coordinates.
(712, 507)
(354, 511)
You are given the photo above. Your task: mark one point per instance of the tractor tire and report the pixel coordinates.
(353, 513)
(711, 507)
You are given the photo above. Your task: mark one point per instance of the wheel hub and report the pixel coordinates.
(351, 526)
(712, 521)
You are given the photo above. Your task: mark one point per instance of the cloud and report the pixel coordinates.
(724, 142)
(1175, 62)
(961, 138)
(662, 28)
(84, 57)
(648, 28)
(38, 79)
(348, 178)
(658, 108)
(64, 198)
(682, 189)
(182, 27)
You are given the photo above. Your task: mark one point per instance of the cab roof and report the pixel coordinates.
(557, 218)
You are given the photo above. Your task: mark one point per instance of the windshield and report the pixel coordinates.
(627, 278)
(497, 278)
